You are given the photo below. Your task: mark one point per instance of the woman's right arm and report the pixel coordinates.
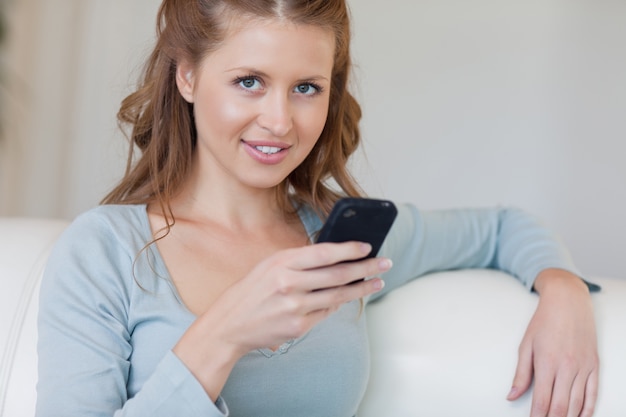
(282, 298)
(84, 344)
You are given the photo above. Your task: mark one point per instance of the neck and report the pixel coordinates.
(235, 208)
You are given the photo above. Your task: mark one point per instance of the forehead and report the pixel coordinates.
(265, 42)
(233, 23)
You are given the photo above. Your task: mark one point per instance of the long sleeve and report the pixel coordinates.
(90, 324)
(507, 239)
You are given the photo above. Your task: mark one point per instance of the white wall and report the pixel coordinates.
(466, 103)
(501, 102)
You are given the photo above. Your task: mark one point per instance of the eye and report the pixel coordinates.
(308, 89)
(249, 83)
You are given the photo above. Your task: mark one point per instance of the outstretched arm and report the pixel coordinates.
(559, 349)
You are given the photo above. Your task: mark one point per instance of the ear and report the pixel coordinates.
(185, 81)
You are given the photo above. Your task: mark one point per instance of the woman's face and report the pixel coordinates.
(260, 101)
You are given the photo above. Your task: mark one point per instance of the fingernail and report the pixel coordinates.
(366, 248)
(385, 264)
(379, 284)
(512, 393)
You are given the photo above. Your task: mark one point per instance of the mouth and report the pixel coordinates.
(268, 150)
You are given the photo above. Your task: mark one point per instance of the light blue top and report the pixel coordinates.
(109, 316)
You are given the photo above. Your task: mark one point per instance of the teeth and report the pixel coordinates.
(268, 149)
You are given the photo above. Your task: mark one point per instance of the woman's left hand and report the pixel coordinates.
(559, 349)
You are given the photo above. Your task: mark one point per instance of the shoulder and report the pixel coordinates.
(113, 216)
(106, 229)
(95, 256)
(114, 219)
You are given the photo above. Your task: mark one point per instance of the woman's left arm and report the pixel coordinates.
(559, 349)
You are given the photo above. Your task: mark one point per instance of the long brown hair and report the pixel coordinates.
(161, 124)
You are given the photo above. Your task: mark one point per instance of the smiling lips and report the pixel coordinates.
(266, 153)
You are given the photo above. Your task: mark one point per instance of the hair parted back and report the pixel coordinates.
(161, 124)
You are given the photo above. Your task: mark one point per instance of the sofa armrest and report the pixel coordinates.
(446, 345)
(24, 248)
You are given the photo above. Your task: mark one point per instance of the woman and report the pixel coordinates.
(195, 290)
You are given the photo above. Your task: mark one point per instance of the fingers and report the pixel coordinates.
(574, 399)
(336, 296)
(523, 374)
(580, 399)
(305, 302)
(324, 266)
(325, 254)
(346, 273)
(567, 396)
(550, 396)
(558, 393)
(591, 395)
(296, 314)
(562, 390)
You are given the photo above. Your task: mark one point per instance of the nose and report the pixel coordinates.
(276, 114)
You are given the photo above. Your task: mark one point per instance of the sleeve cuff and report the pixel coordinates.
(190, 389)
(172, 390)
(592, 286)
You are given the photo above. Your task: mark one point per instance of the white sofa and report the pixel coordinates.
(444, 345)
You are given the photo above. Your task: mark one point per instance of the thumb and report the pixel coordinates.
(523, 374)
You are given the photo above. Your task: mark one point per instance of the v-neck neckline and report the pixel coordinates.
(309, 219)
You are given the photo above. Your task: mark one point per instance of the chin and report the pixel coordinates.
(264, 183)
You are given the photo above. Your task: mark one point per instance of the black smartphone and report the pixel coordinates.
(360, 219)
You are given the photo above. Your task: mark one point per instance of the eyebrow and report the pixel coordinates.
(256, 72)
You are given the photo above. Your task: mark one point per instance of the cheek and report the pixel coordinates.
(316, 121)
(226, 114)
(229, 110)
(218, 113)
